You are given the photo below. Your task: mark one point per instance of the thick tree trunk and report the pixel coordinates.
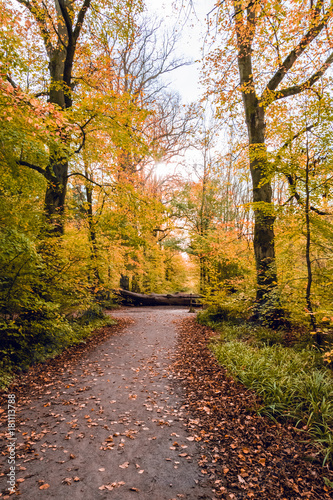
(92, 232)
(55, 195)
(267, 291)
(156, 299)
(57, 170)
(263, 242)
(60, 36)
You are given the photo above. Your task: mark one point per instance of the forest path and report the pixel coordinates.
(113, 426)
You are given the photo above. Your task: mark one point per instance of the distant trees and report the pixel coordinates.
(212, 206)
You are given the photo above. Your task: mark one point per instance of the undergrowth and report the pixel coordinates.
(29, 340)
(286, 372)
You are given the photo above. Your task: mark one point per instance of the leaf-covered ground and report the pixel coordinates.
(105, 420)
(245, 455)
(133, 414)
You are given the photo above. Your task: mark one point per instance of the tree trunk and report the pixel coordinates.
(92, 231)
(307, 251)
(60, 49)
(203, 273)
(267, 291)
(263, 209)
(55, 195)
(57, 170)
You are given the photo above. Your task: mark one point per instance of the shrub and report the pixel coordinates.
(290, 383)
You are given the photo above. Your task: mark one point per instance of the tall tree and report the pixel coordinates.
(60, 24)
(275, 43)
(64, 33)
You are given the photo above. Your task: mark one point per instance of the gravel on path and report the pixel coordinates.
(111, 424)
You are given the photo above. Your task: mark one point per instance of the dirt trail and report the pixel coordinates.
(114, 427)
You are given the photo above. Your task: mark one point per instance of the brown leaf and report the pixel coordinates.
(124, 465)
(44, 486)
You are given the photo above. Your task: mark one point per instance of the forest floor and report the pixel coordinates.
(141, 412)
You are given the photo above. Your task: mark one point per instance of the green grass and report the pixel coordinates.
(291, 384)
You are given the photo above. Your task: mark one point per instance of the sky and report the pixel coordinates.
(191, 24)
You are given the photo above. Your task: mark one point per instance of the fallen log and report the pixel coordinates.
(157, 299)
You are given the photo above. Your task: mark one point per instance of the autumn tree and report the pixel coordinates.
(62, 34)
(271, 51)
(143, 58)
(59, 25)
(304, 161)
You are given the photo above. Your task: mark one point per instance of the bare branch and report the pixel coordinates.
(80, 19)
(84, 176)
(289, 141)
(32, 166)
(11, 81)
(300, 48)
(79, 174)
(297, 89)
(42, 94)
(82, 127)
(298, 198)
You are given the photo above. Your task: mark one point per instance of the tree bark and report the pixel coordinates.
(92, 231)
(307, 251)
(264, 242)
(61, 59)
(57, 169)
(55, 195)
(262, 191)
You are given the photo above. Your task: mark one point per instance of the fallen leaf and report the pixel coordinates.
(44, 486)
(124, 465)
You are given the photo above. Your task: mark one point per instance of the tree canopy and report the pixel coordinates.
(242, 211)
